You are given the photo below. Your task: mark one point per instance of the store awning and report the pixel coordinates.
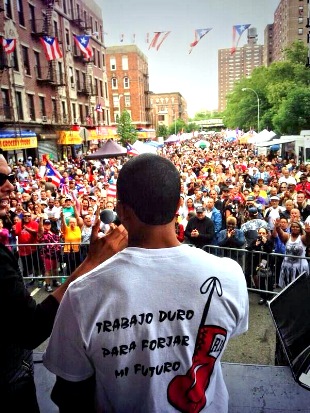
(6, 133)
(70, 138)
(10, 141)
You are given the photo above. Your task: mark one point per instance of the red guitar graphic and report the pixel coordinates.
(187, 392)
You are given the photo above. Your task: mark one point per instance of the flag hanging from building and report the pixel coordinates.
(98, 108)
(199, 33)
(51, 47)
(158, 39)
(131, 150)
(83, 44)
(238, 29)
(52, 173)
(9, 45)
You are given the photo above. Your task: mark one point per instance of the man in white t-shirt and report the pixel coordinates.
(145, 331)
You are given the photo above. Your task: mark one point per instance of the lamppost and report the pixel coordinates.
(248, 88)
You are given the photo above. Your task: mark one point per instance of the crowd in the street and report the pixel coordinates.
(230, 197)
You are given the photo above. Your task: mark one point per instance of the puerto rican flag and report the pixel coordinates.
(52, 173)
(8, 45)
(131, 150)
(111, 191)
(51, 47)
(83, 44)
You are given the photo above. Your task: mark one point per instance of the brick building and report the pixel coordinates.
(290, 24)
(167, 108)
(46, 99)
(128, 83)
(233, 67)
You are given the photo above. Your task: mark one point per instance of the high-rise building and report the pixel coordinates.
(128, 83)
(51, 106)
(167, 108)
(234, 66)
(290, 24)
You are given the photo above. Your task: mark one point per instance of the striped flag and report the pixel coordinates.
(156, 43)
(238, 29)
(83, 44)
(131, 150)
(52, 173)
(199, 33)
(51, 47)
(111, 191)
(8, 45)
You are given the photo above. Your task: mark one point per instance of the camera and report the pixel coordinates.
(259, 238)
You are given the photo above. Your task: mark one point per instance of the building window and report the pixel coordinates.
(71, 76)
(20, 12)
(8, 8)
(112, 63)
(127, 100)
(19, 106)
(26, 60)
(32, 20)
(300, 20)
(64, 111)
(126, 82)
(81, 113)
(31, 108)
(300, 31)
(74, 113)
(67, 37)
(106, 90)
(101, 88)
(6, 104)
(124, 62)
(37, 67)
(42, 106)
(114, 83)
(96, 87)
(54, 110)
(77, 79)
(64, 4)
(116, 101)
(301, 10)
(98, 59)
(161, 118)
(15, 64)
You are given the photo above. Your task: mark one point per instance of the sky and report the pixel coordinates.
(172, 68)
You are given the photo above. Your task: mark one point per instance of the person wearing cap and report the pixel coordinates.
(200, 229)
(273, 211)
(68, 209)
(49, 253)
(304, 186)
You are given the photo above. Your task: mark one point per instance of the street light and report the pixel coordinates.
(248, 88)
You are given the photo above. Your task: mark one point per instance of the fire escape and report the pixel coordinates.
(84, 85)
(51, 73)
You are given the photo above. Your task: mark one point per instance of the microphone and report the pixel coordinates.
(107, 216)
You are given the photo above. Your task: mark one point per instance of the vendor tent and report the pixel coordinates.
(110, 149)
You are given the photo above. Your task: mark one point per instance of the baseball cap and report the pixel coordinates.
(68, 197)
(274, 198)
(200, 209)
(253, 211)
(94, 198)
(230, 187)
(250, 198)
(46, 221)
(43, 202)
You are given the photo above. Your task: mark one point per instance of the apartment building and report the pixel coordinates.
(51, 106)
(128, 84)
(291, 23)
(233, 67)
(167, 108)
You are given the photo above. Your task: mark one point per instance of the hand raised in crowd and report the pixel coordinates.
(307, 227)
(230, 233)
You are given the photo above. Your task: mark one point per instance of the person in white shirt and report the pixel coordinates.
(145, 331)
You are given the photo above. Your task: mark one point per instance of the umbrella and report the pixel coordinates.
(110, 149)
(201, 144)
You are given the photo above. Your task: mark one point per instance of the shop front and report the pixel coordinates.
(71, 144)
(18, 146)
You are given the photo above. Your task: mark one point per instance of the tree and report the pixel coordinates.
(125, 129)
(162, 130)
(297, 52)
(178, 126)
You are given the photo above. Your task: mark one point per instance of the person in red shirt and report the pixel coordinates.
(27, 231)
(179, 229)
(304, 186)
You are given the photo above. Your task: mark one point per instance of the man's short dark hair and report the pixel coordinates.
(150, 185)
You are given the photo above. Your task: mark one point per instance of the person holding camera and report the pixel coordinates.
(262, 264)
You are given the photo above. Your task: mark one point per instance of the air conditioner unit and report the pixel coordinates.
(44, 118)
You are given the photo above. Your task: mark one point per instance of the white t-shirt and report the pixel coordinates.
(141, 323)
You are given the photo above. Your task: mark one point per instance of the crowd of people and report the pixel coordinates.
(229, 194)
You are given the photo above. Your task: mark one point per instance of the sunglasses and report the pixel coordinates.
(4, 177)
